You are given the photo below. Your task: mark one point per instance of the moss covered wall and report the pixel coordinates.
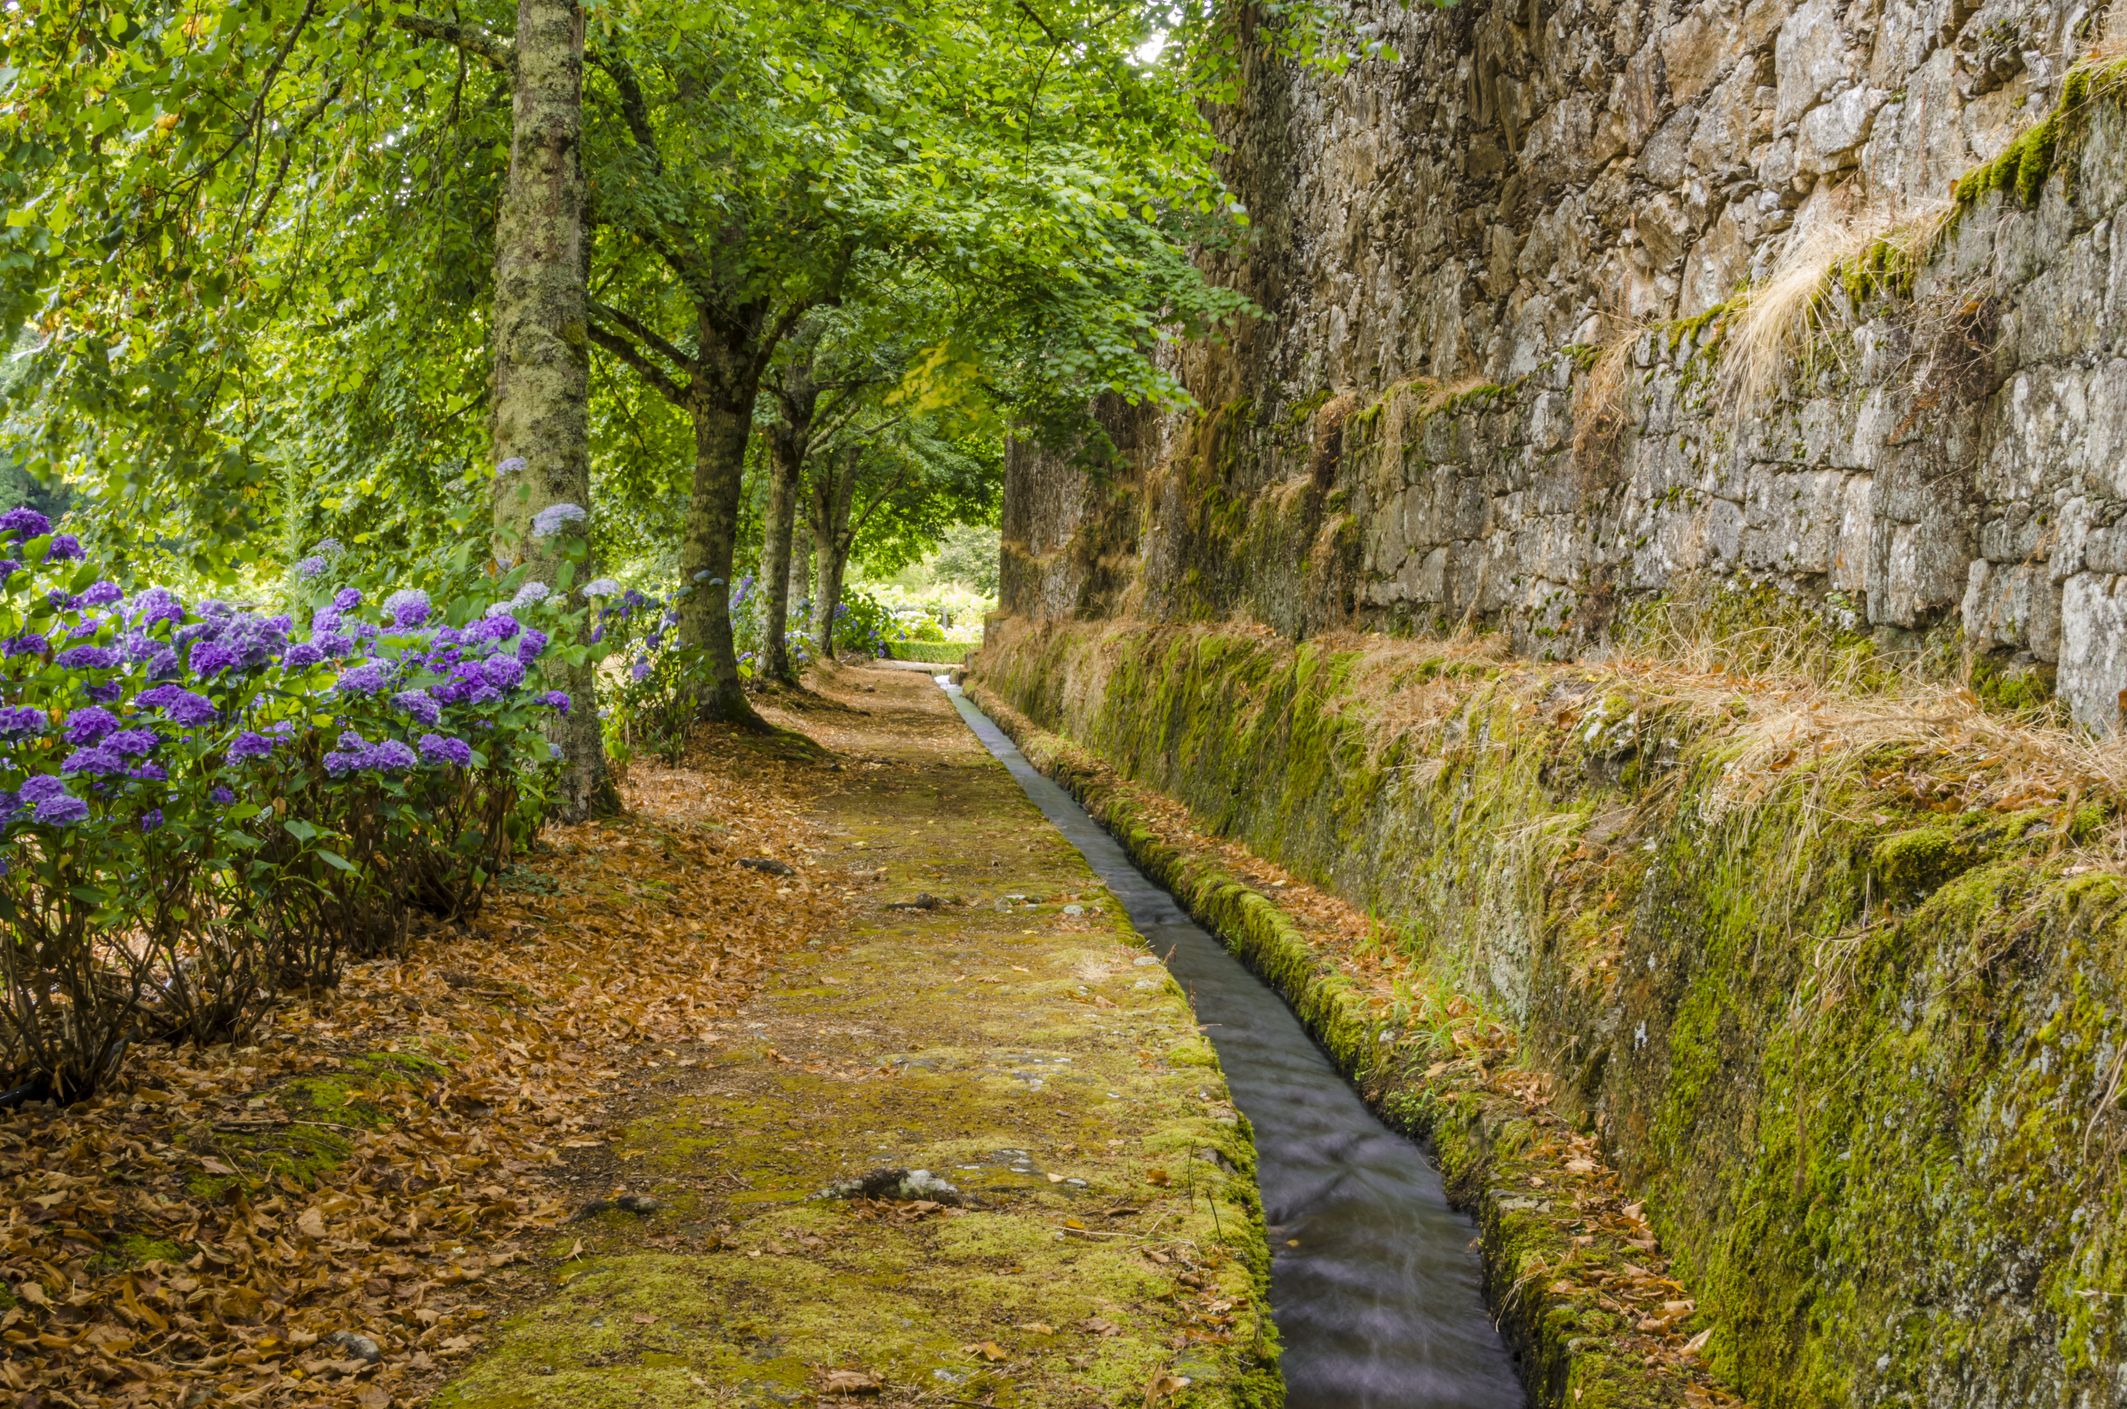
(1843, 990)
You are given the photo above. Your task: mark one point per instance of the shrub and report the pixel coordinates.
(862, 624)
(202, 803)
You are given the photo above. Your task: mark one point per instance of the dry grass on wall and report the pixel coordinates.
(1790, 318)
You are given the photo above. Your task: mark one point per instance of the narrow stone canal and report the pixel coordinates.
(1374, 1278)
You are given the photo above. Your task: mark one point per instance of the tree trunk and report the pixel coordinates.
(826, 597)
(710, 537)
(801, 549)
(786, 460)
(542, 368)
(797, 400)
(833, 490)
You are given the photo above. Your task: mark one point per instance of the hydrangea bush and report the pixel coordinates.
(204, 802)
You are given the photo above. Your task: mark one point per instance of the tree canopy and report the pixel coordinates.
(250, 252)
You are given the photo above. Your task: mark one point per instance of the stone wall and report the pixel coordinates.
(1496, 378)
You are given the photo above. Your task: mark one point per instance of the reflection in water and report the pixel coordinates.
(1376, 1293)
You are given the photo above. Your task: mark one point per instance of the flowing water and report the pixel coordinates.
(1373, 1278)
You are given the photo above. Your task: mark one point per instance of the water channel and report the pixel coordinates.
(1374, 1278)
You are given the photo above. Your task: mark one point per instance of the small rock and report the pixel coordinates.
(357, 1346)
(893, 1183)
(767, 865)
(1145, 963)
(641, 1205)
(1074, 909)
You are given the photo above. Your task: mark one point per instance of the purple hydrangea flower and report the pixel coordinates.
(640, 671)
(149, 772)
(61, 809)
(21, 722)
(367, 678)
(407, 608)
(347, 756)
(156, 604)
(483, 695)
(87, 658)
(510, 466)
(556, 700)
(65, 549)
(531, 644)
(332, 643)
(181, 705)
(531, 594)
(437, 749)
(102, 594)
(210, 658)
(249, 744)
(390, 756)
(132, 743)
(503, 672)
(312, 566)
(90, 725)
(498, 626)
(220, 795)
(25, 522)
(106, 693)
(151, 819)
(346, 599)
(420, 704)
(556, 517)
(599, 587)
(101, 760)
(301, 656)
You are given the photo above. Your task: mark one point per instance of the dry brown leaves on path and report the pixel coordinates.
(330, 1215)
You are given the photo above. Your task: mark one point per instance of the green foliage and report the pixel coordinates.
(936, 652)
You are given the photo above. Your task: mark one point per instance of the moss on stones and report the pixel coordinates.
(1855, 1041)
(2022, 167)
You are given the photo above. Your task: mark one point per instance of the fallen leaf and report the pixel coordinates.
(988, 1350)
(311, 1224)
(851, 1382)
(1100, 1326)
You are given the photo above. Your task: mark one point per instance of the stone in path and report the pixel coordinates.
(1040, 1193)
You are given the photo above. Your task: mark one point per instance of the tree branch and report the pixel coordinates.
(642, 332)
(634, 109)
(500, 53)
(666, 384)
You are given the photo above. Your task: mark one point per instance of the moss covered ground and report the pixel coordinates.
(1839, 986)
(988, 1016)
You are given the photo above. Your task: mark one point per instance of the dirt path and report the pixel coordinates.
(988, 1016)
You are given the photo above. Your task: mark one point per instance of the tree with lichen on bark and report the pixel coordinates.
(540, 404)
